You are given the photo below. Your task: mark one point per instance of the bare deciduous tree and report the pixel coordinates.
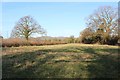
(102, 26)
(25, 27)
(105, 18)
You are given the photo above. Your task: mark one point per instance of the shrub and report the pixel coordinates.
(16, 42)
(87, 40)
(113, 40)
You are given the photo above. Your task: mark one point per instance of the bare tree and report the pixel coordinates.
(105, 19)
(25, 27)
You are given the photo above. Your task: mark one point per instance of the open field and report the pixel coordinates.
(61, 61)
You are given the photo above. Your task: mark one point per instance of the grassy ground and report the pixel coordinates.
(61, 61)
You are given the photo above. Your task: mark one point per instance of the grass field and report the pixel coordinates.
(61, 61)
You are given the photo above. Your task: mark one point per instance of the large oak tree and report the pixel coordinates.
(104, 20)
(25, 27)
(103, 23)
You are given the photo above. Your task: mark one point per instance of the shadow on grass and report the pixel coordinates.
(40, 64)
(106, 66)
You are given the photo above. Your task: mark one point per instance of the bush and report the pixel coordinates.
(87, 40)
(77, 40)
(16, 42)
(112, 40)
(71, 39)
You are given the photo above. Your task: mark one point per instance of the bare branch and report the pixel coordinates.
(25, 27)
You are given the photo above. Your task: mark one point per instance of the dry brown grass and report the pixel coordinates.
(61, 61)
(12, 50)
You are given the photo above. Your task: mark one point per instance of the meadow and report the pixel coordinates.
(61, 61)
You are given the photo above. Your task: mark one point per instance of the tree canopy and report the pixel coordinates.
(25, 27)
(102, 24)
(105, 18)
